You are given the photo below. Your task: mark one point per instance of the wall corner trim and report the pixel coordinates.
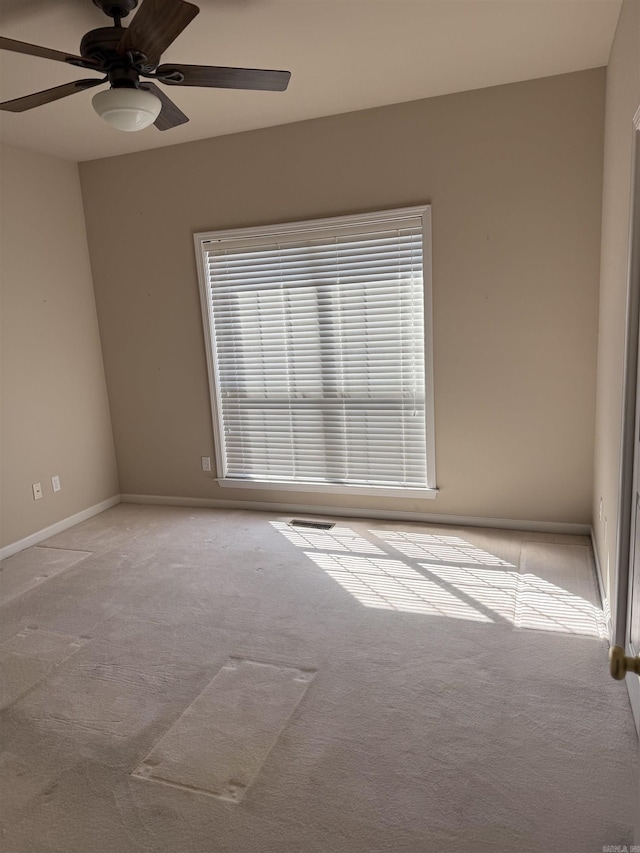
(58, 527)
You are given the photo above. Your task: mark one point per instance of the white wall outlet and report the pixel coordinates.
(55, 483)
(206, 463)
(37, 491)
(600, 510)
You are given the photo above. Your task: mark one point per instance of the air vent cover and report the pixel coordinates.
(315, 525)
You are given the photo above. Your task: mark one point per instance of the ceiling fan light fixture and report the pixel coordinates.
(127, 108)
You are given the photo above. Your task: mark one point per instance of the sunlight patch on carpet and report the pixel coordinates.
(552, 588)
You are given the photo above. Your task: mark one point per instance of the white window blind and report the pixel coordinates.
(317, 352)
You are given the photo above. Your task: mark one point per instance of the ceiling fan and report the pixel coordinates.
(124, 55)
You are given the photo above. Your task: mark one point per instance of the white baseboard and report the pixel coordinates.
(348, 512)
(606, 606)
(58, 527)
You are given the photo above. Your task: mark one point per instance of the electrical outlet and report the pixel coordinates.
(37, 491)
(206, 463)
(55, 483)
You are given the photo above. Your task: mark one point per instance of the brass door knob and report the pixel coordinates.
(620, 663)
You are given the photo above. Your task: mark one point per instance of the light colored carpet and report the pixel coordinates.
(426, 690)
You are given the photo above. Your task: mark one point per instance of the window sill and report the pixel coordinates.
(330, 489)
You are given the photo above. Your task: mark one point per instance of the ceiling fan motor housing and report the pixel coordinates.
(101, 48)
(101, 43)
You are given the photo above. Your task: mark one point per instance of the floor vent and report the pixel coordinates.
(315, 525)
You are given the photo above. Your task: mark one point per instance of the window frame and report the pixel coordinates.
(203, 240)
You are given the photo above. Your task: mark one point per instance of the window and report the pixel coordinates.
(318, 338)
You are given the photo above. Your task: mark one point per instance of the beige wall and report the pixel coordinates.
(514, 176)
(55, 415)
(622, 101)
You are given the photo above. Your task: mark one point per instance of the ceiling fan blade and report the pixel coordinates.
(224, 78)
(19, 105)
(170, 115)
(156, 25)
(44, 52)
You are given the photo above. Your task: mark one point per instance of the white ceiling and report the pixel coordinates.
(343, 55)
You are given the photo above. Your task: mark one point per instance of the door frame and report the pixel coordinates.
(623, 577)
